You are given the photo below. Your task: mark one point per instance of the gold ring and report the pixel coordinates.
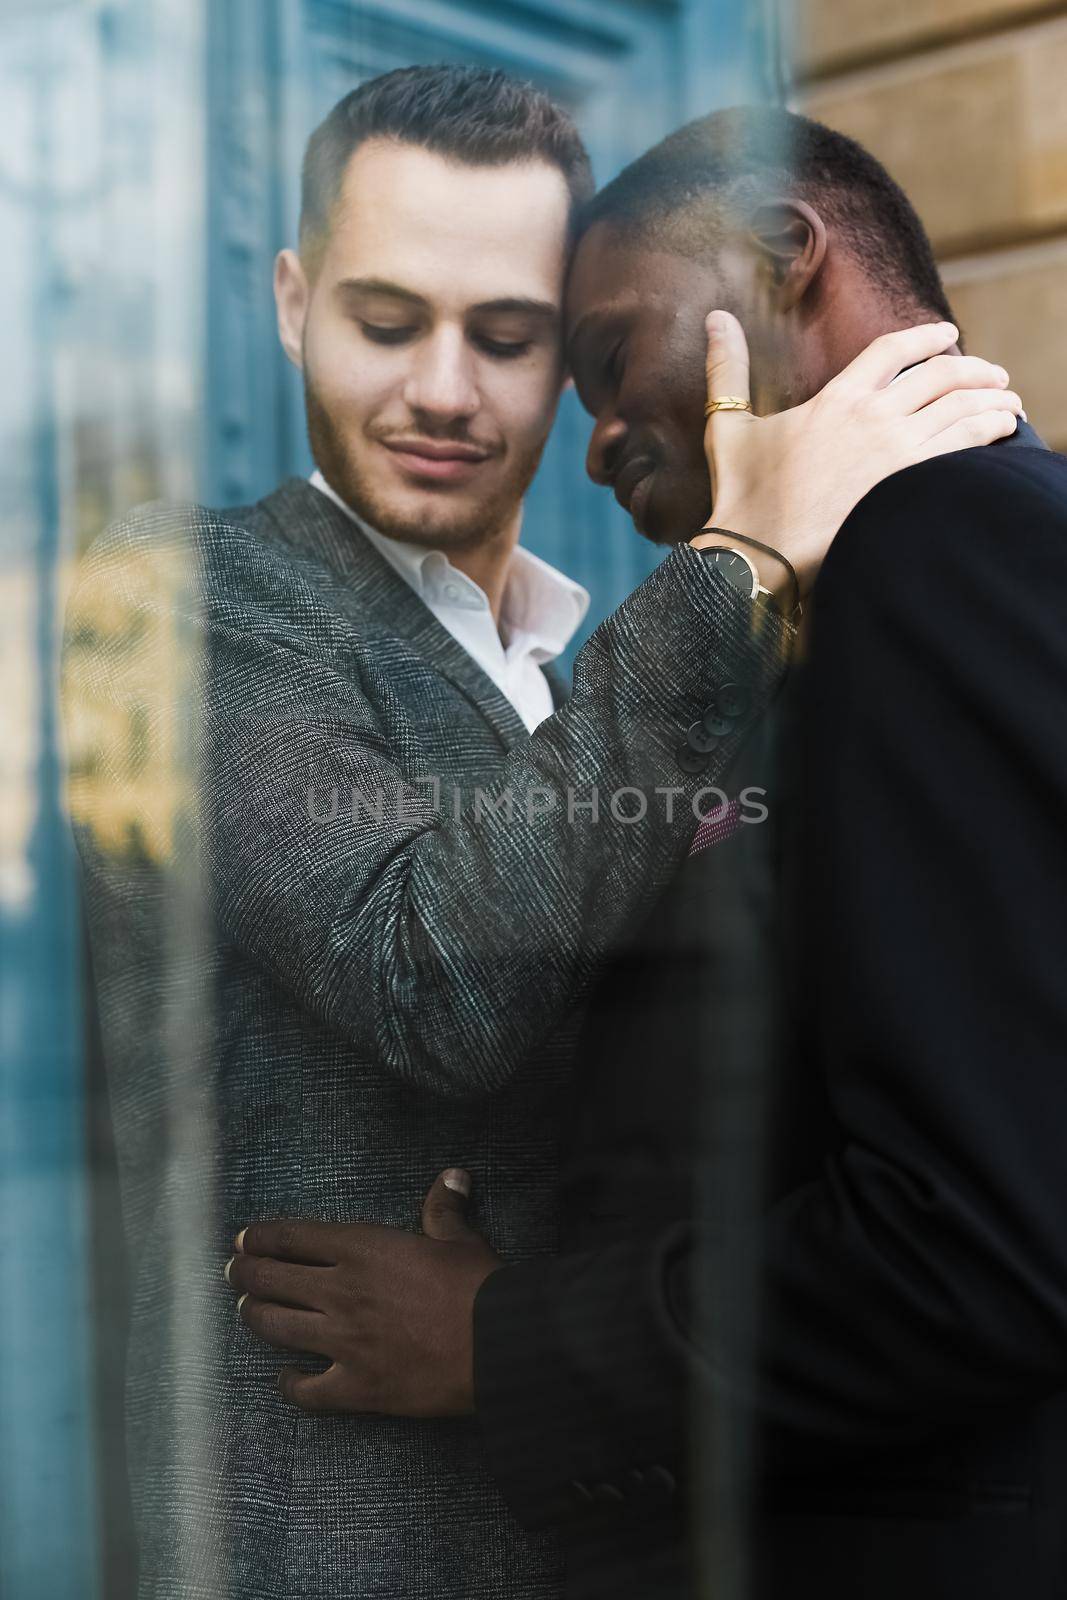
(727, 402)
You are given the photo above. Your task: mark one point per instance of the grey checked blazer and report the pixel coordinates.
(310, 1006)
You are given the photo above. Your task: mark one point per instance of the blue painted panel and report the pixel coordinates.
(47, 1531)
(629, 70)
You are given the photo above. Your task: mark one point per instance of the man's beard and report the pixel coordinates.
(441, 528)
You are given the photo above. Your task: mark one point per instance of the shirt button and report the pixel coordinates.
(451, 591)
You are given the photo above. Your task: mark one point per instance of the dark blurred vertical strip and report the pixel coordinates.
(742, 55)
(246, 433)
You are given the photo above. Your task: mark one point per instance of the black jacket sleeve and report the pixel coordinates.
(921, 1275)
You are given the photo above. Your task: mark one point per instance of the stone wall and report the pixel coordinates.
(966, 103)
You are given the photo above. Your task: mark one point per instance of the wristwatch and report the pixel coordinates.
(736, 568)
(741, 571)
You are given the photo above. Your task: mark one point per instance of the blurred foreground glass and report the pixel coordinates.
(149, 171)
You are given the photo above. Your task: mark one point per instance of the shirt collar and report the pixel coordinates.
(540, 603)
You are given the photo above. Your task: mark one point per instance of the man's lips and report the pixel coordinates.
(437, 460)
(632, 486)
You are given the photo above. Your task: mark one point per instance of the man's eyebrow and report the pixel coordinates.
(395, 291)
(543, 310)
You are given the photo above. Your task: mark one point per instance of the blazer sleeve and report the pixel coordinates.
(444, 945)
(920, 1277)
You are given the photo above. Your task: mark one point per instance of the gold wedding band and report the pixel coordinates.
(727, 402)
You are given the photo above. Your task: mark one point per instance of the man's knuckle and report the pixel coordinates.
(348, 1293)
(295, 1392)
(288, 1238)
(261, 1278)
(270, 1319)
(865, 410)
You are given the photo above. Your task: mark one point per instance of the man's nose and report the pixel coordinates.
(441, 382)
(602, 456)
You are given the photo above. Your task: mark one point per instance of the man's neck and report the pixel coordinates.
(849, 333)
(487, 563)
(790, 368)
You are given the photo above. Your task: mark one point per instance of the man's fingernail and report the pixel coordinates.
(458, 1181)
(240, 1303)
(239, 1242)
(226, 1268)
(715, 322)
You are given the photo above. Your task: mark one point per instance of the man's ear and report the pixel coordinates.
(790, 240)
(292, 293)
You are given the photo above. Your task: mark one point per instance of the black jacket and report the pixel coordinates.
(814, 1278)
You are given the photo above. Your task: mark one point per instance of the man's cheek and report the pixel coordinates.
(525, 409)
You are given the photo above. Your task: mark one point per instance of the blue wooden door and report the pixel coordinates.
(628, 69)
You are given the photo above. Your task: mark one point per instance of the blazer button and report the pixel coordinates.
(608, 1494)
(690, 760)
(715, 722)
(733, 699)
(661, 1482)
(699, 738)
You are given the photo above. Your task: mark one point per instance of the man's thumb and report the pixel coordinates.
(444, 1211)
(727, 368)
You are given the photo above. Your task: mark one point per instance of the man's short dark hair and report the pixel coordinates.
(475, 115)
(684, 192)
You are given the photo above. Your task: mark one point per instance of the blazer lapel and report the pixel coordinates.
(558, 685)
(310, 522)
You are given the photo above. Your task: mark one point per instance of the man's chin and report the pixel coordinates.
(442, 520)
(433, 524)
(673, 519)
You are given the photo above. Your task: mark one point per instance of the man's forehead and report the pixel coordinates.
(613, 277)
(409, 216)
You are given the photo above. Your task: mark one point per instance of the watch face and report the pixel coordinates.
(736, 569)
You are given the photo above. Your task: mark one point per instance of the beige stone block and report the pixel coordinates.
(1012, 307)
(976, 136)
(830, 34)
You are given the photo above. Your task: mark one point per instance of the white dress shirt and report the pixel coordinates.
(539, 615)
